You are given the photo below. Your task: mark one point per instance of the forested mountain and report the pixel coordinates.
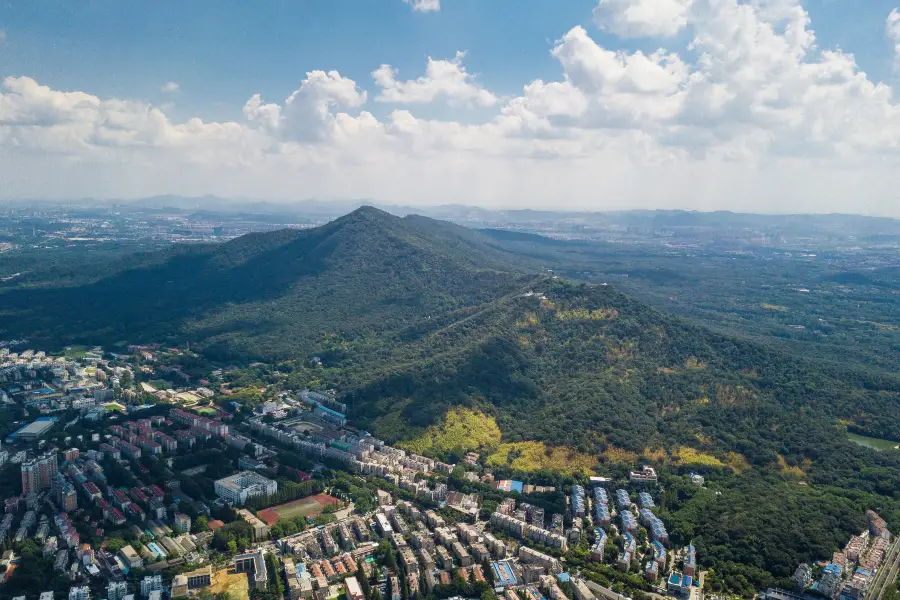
(272, 295)
(419, 321)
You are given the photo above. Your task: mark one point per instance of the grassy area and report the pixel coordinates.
(535, 456)
(873, 443)
(75, 352)
(114, 407)
(462, 430)
(205, 411)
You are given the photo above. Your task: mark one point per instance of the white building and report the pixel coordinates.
(116, 590)
(151, 583)
(238, 488)
(80, 593)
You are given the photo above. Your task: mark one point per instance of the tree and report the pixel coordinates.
(231, 547)
(363, 580)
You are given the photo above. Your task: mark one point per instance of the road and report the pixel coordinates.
(887, 574)
(608, 594)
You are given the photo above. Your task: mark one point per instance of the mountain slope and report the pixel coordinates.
(271, 295)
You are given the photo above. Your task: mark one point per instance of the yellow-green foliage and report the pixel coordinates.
(737, 462)
(535, 456)
(691, 456)
(462, 430)
(790, 471)
(775, 307)
(619, 455)
(583, 314)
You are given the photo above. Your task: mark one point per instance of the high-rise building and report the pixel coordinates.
(39, 472)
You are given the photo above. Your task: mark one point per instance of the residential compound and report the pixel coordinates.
(852, 570)
(359, 452)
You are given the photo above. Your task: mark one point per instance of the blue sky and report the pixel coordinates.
(222, 52)
(761, 105)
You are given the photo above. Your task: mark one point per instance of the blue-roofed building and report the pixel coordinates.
(629, 523)
(503, 574)
(651, 571)
(658, 532)
(679, 585)
(690, 561)
(659, 555)
(624, 561)
(630, 543)
(330, 415)
(600, 496)
(579, 507)
(645, 500)
(601, 515)
(599, 545)
(623, 500)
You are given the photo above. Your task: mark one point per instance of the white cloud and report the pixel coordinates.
(2, 36)
(892, 28)
(424, 5)
(170, 87)
(642, 18)
(752, 116)
(443, 80)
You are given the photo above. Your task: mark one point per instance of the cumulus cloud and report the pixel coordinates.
(750, 114)
(170, 87)
(444, 79)
(424, 5)
(892, 27)
(642, 18)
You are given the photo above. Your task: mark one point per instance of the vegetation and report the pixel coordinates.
(536, 456)
(460, 431)
(433, 339)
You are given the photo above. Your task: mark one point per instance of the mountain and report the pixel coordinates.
(440, 339)
(272, 295)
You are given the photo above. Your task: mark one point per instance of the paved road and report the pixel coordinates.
(887, 574)
(608, 594)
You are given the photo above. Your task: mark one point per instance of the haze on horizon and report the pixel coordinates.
(763, 106)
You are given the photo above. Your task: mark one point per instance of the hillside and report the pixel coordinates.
(272, 295)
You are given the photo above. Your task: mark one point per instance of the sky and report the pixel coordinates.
(747, 105)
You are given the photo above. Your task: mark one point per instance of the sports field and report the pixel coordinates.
(305, 507)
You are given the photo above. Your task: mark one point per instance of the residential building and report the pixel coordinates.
(116, 590)
(151, 583)
(646, 475)
(182, 522)
(352, 589)
(38, 473)
(80, 593)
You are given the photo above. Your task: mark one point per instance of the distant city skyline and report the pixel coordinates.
(766, 106)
